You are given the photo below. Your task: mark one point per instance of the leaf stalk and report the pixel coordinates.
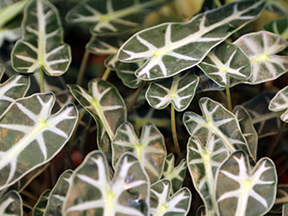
(84, 64)
(228, 98)
(41, 85)
(174, 132)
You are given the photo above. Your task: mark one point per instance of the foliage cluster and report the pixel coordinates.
(139, 129)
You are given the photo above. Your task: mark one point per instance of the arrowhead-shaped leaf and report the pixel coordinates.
(203, 161)
(161, 204)
(14, 88)
(218, 120)
(30, 137)
(150, 148)
(176, 174)
(58, 194)
(11, 204)
(178, 90)
(105, 104)
(41, 204)
(247, 128)
(173, 47)
(93, 193)
(261, 48)
(41, 45)
(226, 65)
(280, 103)
(112, 16)
(243, 190)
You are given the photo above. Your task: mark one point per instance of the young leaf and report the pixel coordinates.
(111, 16)
(218, 120)
(203, 160)
(30, 137)
(247, 128)
(57, 195)
(173, 47)
(11, 204)
(176, 174)
(265, 122)
(15, 87)
(41, 45)
(243, 190)
(280, 103)
(162, 204)
(178, 90)
(150, 148)
(105, 104)
(226, 65)
(278, 26)
(261, 48)
(41, 204)
(92, 192)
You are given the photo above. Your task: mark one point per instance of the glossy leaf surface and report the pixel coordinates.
(280, 103)
(31, 136)
(203, 160)
(15, 87)
(162, 204)
(170, 48)
(93, 193)
(226, 65)
(112, 16)
(178, 90)
(218, 120)
(247, 128)
(261, 48)
(107, 107)
(41, 45)
(58, 194)
(150, 148)
(11, 204)
(247, 190)
(176, 174)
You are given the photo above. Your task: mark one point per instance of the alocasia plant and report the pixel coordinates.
(151, 60)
